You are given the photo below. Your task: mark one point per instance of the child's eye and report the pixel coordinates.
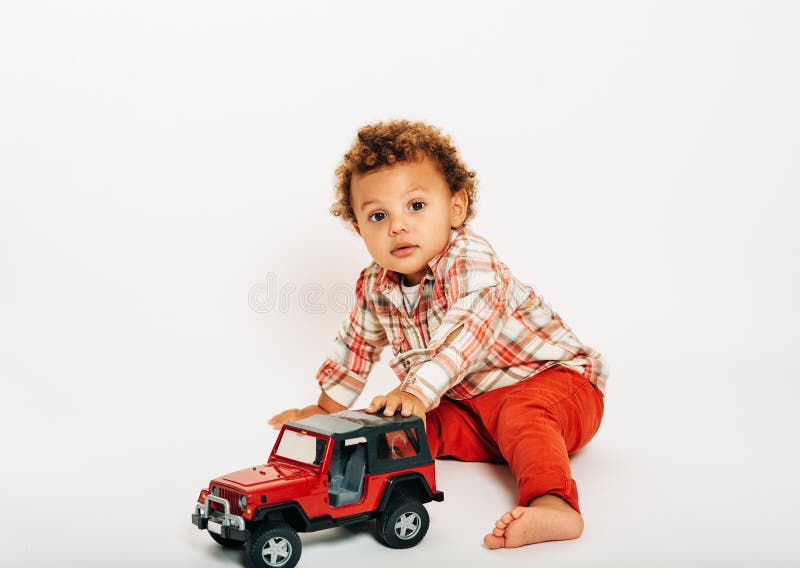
(417, 205)
(377, 216)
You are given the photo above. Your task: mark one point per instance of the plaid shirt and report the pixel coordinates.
(506, 332)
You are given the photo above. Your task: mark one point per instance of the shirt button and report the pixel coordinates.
(406, 364)
(328, 371)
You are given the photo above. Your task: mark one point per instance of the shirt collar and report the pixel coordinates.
(388, 279)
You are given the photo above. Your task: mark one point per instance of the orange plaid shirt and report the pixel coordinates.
(507, 333)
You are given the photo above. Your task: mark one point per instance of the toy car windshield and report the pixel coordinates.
(300, 446)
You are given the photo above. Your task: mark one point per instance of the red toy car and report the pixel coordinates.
(326, 471)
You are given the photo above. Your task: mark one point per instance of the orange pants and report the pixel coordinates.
(533, 426)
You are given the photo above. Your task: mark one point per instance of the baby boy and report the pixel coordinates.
(494, 372)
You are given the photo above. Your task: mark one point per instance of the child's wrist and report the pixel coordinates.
(328, 405)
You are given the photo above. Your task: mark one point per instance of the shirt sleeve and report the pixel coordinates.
(476, 292)
(357, 346)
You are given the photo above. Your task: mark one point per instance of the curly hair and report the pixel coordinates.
(386, 143)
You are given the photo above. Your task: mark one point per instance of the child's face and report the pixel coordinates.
(404, 214)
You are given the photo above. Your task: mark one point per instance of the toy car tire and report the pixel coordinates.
(403, 523)
(226, 542)
(274, 545)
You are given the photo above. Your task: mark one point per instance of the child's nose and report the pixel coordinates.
(397, 225)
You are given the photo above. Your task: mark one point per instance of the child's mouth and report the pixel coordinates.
(404, 251)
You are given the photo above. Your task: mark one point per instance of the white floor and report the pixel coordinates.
(104, 472)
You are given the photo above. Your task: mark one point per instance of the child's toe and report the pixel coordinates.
(492, 541)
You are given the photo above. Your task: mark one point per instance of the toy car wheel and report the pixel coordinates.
(275, 545)
(226, 542)
(403, 523)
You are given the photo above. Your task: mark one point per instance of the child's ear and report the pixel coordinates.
(458, 208)
(355, 227)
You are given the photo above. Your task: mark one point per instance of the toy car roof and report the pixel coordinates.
(350, 423)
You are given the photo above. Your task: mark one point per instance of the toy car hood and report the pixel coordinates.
(269, 476)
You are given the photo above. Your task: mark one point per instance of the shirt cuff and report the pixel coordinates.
(431, 379)
(339, 383)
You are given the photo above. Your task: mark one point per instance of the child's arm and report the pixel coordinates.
(407, 403)
(476, 287)
(325, 405)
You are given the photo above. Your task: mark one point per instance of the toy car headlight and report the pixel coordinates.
(213, 489)
(243, 501)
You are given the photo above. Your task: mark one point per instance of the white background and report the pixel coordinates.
(638, 164)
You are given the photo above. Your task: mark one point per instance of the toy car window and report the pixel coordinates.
(300, 446)
(394, 446)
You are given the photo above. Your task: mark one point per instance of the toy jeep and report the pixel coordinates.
(328, 470)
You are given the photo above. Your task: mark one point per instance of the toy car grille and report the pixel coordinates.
(232, 497)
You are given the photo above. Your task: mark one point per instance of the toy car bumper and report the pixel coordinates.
(222, 523)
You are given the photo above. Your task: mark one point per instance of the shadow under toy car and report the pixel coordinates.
(328, 470)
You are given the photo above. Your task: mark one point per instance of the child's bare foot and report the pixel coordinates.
(547, 518)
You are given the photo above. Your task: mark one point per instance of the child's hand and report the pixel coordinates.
(397, 399)
(294, 414)
(325, 405)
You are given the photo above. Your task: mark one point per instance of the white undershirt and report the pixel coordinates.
(410, 294)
